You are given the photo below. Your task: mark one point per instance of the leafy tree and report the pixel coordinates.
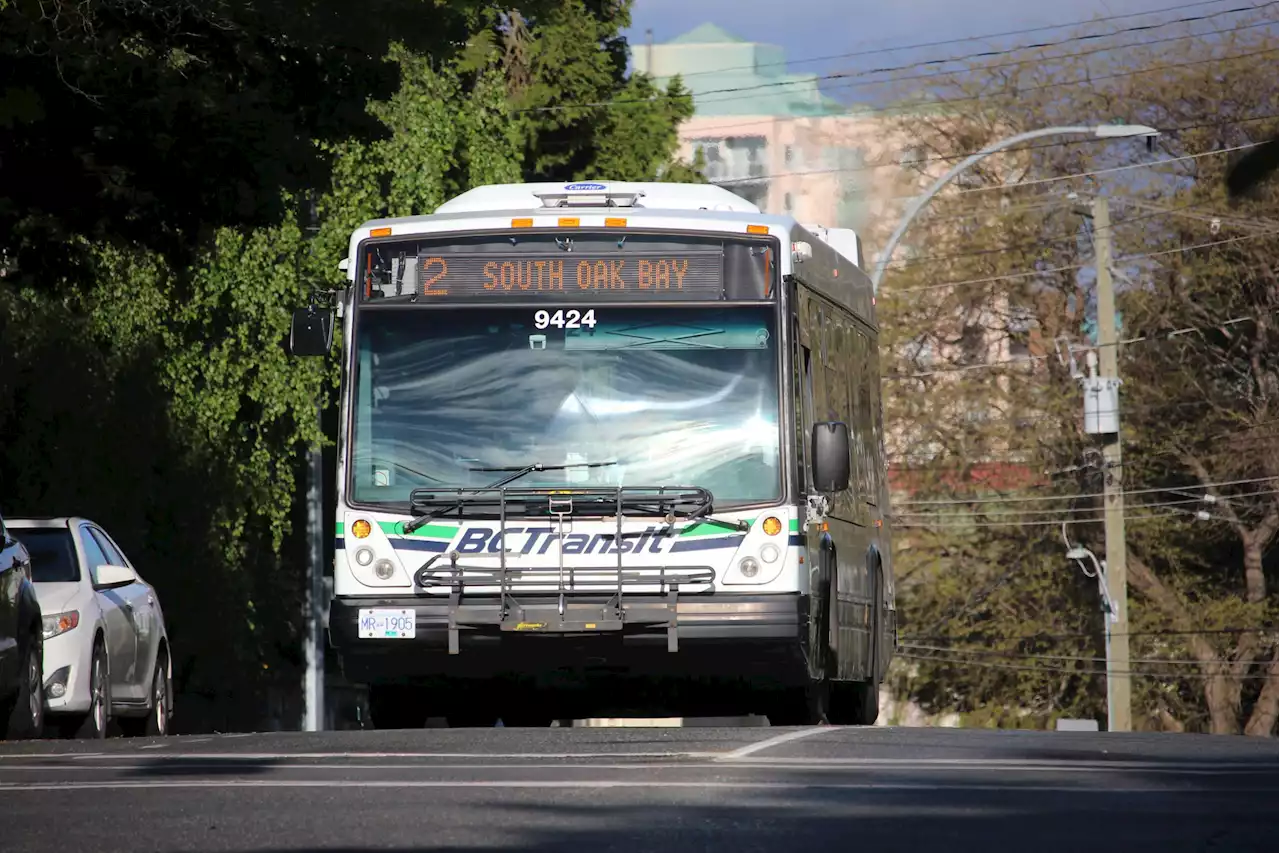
(156, 123)
(988, 414)
(146, 383)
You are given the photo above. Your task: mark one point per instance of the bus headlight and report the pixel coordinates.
(384, 569)
(748, 567)
(770, 553)
(364, 556)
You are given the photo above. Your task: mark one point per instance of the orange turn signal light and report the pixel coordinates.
(361, 529)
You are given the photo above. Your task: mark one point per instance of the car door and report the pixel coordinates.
(122, 642)
(140, 607)
(10, 589)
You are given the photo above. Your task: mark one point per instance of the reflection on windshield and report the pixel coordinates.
(673, 396)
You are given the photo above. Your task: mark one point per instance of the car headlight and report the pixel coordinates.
(59, 623)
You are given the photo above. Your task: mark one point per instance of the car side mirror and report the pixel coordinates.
(311, 332)
(108, 576)
(830, 461)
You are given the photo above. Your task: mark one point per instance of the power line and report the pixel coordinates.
(1029, 244)
(1075, 671)
(1032, 359)
(1013, 185)
(978, 636)
(1095, 172)
(922, 525)
(1126, 492)
(952, 158)
(843, 75)
(998, 653)
(1069, 267)
(917, 46)
(918, 516)
(1039, 59)
(1055, 144)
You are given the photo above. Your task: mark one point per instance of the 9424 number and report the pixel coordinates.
(565, 319)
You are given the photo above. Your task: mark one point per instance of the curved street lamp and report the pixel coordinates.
(1102, 131)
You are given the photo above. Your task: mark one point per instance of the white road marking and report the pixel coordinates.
(139, 784)
(777, 740)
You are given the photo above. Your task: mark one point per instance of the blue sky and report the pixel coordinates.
(817, 28)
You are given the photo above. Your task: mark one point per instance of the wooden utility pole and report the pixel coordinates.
(1119, 685)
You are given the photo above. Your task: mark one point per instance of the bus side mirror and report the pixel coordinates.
(830, 462)
(311, 332)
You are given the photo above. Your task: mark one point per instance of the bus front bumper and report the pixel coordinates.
(763, 630)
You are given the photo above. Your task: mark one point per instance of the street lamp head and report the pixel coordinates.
(1116, 131)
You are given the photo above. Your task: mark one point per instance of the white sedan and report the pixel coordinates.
(106, 650)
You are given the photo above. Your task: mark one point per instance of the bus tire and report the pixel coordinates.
(800, 706)
(394, 706)
(855, 703)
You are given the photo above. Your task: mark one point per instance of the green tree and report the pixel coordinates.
(986, 414)
(146, 384)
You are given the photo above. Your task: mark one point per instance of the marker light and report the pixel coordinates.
(522, 223)
(361, 529)
(772, 526)
(379, 232)
(611, 222)
(757, 229)
(568, 222)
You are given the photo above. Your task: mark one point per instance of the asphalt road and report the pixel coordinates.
(669, 790)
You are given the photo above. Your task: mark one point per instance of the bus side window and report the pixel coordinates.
(863, 429)
(799, 363)
(806, 421)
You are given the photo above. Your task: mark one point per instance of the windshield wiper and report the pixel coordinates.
(701, 513)
(515, 474)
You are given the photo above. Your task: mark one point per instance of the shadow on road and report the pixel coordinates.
(746, 821)
(199, 767)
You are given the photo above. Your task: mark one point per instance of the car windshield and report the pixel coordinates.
(53, 554)
(662, 396)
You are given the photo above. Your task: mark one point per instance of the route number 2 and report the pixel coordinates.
(570, 319)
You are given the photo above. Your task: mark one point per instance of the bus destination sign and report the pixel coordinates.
(650, 275)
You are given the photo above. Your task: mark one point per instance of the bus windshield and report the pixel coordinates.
(683, 396)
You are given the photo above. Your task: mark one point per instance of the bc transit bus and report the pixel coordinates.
(602, 429)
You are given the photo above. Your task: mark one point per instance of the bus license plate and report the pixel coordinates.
(387, 625)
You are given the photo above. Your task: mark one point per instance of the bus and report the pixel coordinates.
(599, 435)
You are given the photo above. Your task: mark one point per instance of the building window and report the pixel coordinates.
(786, 202)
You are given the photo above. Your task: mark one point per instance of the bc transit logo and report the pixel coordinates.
(540, 540)
(572, 187)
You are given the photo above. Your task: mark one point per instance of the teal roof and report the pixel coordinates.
(740, 77)
(707, 34)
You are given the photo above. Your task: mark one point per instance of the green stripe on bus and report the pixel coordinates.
(710, 528)
(430, 531)
(795, 525)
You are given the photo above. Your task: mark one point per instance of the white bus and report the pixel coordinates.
(607, 437)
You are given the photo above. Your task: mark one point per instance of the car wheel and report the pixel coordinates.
(93, 725)
(26, 719)
(156, 722)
